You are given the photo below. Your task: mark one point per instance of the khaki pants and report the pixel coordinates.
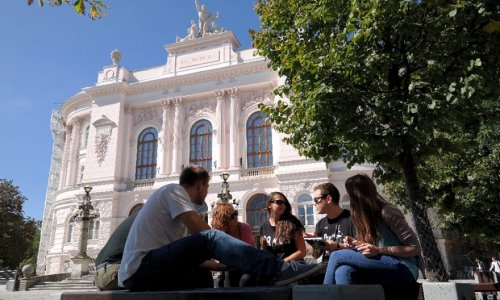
(107, 278)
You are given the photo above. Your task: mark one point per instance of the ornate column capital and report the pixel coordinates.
(220, 94)
(233, 92)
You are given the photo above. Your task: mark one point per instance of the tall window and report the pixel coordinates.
(305, 208)
(85, 137)
(201, 145)
(94, 229)
(69, 233)
(256, 211)
(259, 141)
(147, 145)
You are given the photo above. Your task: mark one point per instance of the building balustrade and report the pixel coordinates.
(257, 171)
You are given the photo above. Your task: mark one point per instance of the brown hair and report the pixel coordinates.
(366, 207)
(221, 216)
(329, 189)
(192, 174)
(288, 224)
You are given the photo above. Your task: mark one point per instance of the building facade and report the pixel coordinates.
(134, 131)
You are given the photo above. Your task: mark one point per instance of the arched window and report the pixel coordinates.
(256, 211)
(305, 207)
(201, 145)
(345, 202)
(259, 141)
(136, 207)
(147, 145)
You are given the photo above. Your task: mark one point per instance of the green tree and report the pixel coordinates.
(32, 236)
(97, 8)
(16, 233)
(386, 82)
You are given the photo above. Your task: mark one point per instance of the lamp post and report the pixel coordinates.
(84, 214)
(225, 196)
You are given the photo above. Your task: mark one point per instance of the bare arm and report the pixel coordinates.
(197, 5)
(193, 221)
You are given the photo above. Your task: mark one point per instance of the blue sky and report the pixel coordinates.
(49, 54)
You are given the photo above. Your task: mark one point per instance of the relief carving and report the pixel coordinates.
(104, 128)
(146, 115)
(251, 99)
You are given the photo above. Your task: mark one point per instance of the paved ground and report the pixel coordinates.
(55, 294)
(31, 295)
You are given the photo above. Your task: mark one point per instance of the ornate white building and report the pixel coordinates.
(135, 130)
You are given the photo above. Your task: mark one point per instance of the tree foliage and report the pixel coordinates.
(17, 233)
(394, 83)
(97, 7)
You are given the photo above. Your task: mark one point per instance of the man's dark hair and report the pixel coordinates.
(329, 189)
(192, 174)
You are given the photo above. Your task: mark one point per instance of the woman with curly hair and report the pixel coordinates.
(282, 234)
(225, 218)
(385, 250)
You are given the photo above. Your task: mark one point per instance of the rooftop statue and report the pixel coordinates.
(192, 32)
(205, 20)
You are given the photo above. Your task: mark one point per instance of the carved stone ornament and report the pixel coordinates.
(104, 127)
(251, 99)
(146, 115)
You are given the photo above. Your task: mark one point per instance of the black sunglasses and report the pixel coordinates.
(318, 200)
(234, 215)
(278, 202)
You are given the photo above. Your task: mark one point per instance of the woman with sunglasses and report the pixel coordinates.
(225, 218)
(282, 234)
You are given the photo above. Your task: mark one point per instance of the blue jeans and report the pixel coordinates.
(352, 267)
(175, 265)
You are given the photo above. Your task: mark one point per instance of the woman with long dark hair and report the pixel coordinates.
(282, 234)
(385, 249)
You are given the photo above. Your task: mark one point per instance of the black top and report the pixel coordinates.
(335, 229)
(113, 250)
(280, 251)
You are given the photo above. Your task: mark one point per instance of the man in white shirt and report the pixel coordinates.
(160, 255)
(495, 265)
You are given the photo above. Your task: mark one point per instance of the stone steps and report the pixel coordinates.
(69, 284)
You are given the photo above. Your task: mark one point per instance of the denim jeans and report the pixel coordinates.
(175, 265)
(352, 267)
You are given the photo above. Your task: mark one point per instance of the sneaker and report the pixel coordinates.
(296, 271)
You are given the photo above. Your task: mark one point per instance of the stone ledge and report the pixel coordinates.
(260, 293)
(448, 290)
(331, 292)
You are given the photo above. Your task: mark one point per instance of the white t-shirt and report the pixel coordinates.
(495, 266)
(155, 226)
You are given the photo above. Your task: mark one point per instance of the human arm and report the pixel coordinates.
(193, 221)
(213, 265)
(396, 223)
(301, 248)
(246, 234)
(197, 5)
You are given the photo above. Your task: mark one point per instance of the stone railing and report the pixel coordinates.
(257, 171)
(140, 183)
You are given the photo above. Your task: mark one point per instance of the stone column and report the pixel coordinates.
(162, 140)
(220, 129)
(65, 155)
(177, 142)
(127, 161)
(234, 129)
(73, 153)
